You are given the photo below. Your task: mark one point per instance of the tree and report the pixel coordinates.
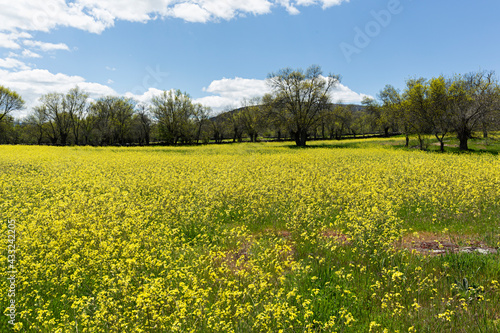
(200, 117)
(299, 97)
(102, 114)
(416, 108)
(472, 99)
(234, 123)
(38, 119)
(123, 110)
(392, 104)
(58, 117)
(337, 121)
(251, 118)
(439, 115)
(174, 112)
(64, 114)
(143, 118)
(218, 127)
(9, 101)
(112, 117)
(75, 103)
(269, 116)
(381, 115)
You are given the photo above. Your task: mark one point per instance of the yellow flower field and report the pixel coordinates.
(245, 238)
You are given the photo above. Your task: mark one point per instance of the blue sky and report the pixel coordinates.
(221, 52)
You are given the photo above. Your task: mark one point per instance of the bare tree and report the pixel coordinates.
(76, 105)
(472, 100)
(143, 115)
(251, 117)
(59, 118)
(38, 119)
(299, 97)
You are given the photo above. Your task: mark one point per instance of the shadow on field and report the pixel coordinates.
(329, 145)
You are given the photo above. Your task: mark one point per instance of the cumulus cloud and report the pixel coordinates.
(230, 93)
(343, 94)
(190, 12)
(13, 64)
(97, 15)
(34, 15)
(146, 97)
(9, 40)
(31, 84)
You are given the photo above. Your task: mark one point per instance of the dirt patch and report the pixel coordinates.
(434, 244)
(446, 145)
(340, 237)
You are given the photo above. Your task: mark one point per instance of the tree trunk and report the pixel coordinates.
(407, 143)
(421, 142)
(463, 137)
(300, 138)
(64, 138)
(441, 142)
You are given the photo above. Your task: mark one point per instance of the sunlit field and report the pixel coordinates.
(259, 237)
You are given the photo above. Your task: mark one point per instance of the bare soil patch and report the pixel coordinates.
(436, 244)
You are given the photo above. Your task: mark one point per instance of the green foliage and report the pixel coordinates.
(9, 101)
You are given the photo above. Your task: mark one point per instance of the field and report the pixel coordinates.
(258, 237)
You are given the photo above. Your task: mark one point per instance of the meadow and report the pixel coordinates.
(251, 237)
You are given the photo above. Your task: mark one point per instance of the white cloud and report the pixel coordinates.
(110, 68)
(238, 88)
(97, 15)
(343, 94)
(146, 96)
(289, 5)
(324, 3)
(230, 93)
(9, 40)
(330, 3)
(110, 81)
(35, 15)
(30, 54)
(33, 83)
(46, 46)
(190, 12)
(13, 64)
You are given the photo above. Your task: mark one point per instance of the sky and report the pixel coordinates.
(220, 52)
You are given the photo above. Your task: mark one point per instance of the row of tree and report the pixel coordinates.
(461, 104)
(299, 107)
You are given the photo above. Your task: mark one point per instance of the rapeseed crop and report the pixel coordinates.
(246, 238)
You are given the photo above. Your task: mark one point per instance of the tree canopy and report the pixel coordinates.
(299, 97)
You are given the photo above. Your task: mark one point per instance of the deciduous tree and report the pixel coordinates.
(9, 101)
(298, 98)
